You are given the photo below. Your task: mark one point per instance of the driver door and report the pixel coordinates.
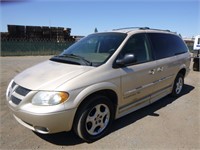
(137, 79)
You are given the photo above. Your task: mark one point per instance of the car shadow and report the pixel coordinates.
(70, 138)
(62, 138)
(149, 110)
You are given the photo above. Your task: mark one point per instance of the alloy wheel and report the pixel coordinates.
(97, 119)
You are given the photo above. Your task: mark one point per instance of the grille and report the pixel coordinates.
(13, 84)
(15, 100)
(17, 93)
(22, 91)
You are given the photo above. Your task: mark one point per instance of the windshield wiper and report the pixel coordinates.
(87, 62)
(60, 59)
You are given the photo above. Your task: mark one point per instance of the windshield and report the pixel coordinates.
(93, 50)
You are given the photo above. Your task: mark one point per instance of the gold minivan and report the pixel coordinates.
(102, 77)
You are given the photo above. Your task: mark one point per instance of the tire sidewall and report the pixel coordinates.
(174, 93)
(80, 124)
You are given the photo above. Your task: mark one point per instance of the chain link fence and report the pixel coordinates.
(24, 48)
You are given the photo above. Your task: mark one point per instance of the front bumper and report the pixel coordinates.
(42, 119)
(46, 123)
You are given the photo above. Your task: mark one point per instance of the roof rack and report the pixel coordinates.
(160, 30)
(140, 28)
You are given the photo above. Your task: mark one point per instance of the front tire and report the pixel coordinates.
(94, 118)
(178, 85)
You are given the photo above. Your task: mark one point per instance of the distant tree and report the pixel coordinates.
(95, 30)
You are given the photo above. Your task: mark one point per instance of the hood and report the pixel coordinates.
(49, 75)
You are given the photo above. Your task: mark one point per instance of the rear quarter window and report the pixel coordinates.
(166, 45)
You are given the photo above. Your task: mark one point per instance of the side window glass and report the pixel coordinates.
(137, 45)
(166, 45)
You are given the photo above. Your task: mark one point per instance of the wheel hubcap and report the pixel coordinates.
(97, 119)
(179, 85)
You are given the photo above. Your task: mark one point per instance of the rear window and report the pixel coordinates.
(167, 45)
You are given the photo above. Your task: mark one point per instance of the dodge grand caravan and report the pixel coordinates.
(100, 78)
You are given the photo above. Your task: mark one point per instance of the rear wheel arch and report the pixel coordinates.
(182, 71)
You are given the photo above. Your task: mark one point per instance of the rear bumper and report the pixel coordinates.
(46, 123)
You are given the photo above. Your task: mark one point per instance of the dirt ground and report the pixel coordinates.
(167, 124)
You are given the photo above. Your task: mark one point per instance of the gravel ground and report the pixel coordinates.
(167, 124)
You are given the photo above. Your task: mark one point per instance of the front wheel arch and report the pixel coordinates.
(110, 94)
(79, 124)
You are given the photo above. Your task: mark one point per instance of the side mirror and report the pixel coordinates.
(128, 59)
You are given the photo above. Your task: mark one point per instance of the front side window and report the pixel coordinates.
(139, 46)
(92, 50)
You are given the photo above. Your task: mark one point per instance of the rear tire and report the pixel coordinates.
(178, 85)
(94, 118)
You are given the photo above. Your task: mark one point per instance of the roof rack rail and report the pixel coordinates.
(141, 28)
(160, 30)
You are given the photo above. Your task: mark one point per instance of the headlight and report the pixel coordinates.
(49, 98)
